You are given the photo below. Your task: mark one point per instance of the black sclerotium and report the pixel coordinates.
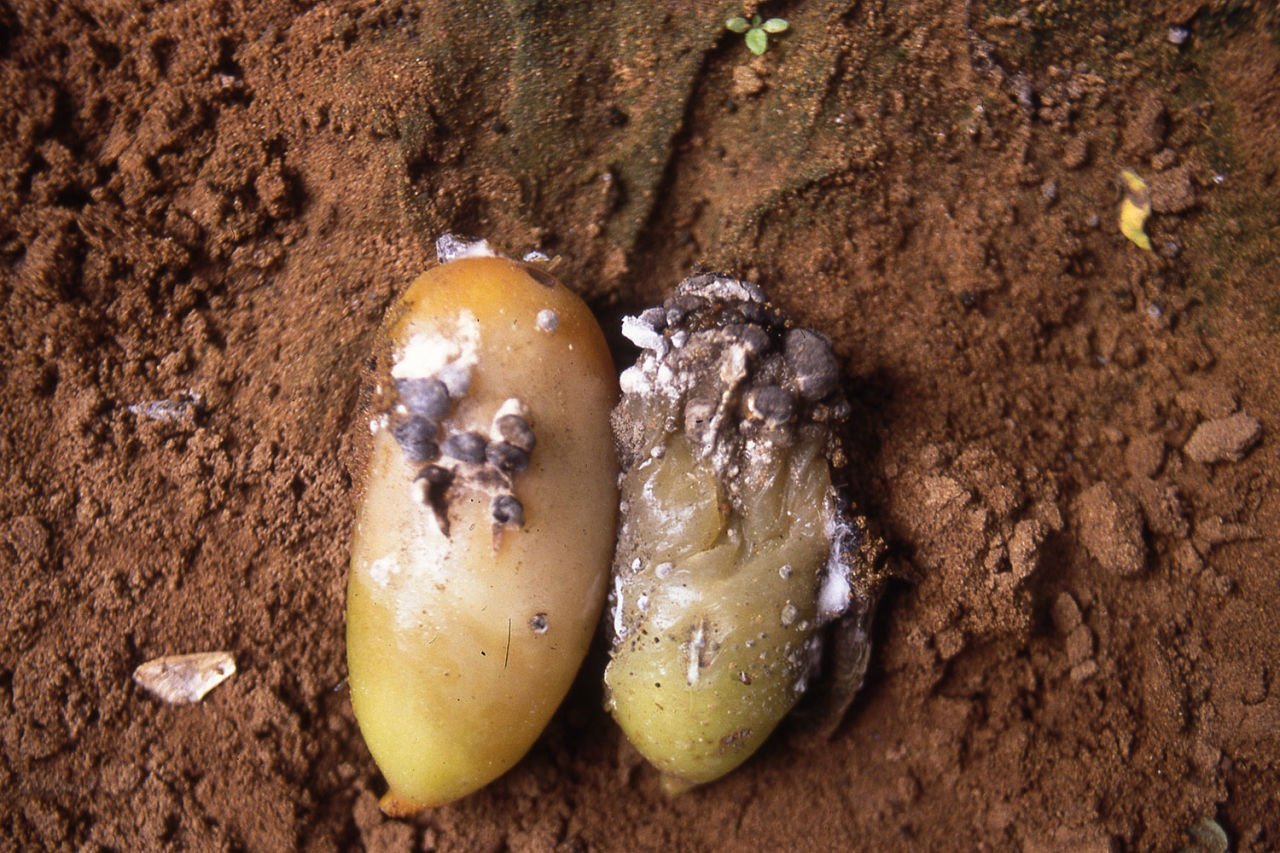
(465, 446)
(770, 403)
(426, 397)
(507, 509)
(507, 457)
(516, 431)
(416, 437)
(809, 355)
(756, 338)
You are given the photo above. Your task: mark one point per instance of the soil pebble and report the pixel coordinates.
(1024, 546)
(1079, 645)
(29, 539)
(1065, 613)
(1223, 439)
(1210, 400)
(747, 82)
(1076, 153)
(1145, 455)
(1161, 506)
(1111, 529)
(1084, 671)
(1145, 131)
(376, 830)
(1173, 191)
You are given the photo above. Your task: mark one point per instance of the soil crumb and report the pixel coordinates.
(1223, 439)
(1111, 529)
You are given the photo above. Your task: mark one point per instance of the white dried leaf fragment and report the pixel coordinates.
(184, 679)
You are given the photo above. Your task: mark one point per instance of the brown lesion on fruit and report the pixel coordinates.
(733, 739)
(432, 489)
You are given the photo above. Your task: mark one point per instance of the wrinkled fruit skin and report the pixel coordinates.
(481, 551)
(735, 549)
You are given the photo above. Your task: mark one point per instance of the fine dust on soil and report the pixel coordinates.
(1069, 443)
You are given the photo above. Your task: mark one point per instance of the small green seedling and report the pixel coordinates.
(757, 31)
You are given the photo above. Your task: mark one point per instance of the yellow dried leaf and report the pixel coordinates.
(1135, 209)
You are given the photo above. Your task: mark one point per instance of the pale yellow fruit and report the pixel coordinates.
(467, 620)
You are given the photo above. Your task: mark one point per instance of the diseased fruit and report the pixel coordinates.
(734, 549)
(481, 552)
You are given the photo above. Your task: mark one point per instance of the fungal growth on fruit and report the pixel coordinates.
(481, 552)
(734, 549)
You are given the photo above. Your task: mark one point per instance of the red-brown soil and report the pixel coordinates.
(214, 202)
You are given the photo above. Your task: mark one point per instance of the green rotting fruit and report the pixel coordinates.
(734, 549)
